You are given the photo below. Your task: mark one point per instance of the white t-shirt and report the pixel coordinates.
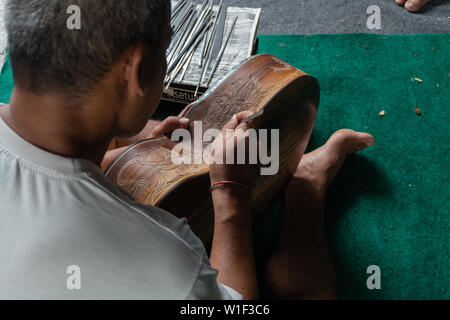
(66, 232)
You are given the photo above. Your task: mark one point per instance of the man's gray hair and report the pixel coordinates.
(48, 57)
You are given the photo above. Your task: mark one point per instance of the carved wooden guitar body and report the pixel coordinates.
(289, 99)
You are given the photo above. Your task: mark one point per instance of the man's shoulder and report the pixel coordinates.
(124, 249)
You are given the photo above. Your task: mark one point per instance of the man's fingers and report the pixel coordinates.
(242, 116)
(232, 124)
(236, 119)
(170, 124)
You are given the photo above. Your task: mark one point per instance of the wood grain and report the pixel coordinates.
(290, 100)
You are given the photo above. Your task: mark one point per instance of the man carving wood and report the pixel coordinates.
(77, 90)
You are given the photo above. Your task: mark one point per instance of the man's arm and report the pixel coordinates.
(232, 248)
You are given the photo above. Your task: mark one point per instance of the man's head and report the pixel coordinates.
(119, 51)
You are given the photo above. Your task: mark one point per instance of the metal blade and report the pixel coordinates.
(222, 50)
(218, 37)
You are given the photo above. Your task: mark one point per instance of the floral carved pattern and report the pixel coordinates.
(244, 94)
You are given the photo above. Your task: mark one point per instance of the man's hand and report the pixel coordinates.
(241, 173)
(169, 125)
(153, 129)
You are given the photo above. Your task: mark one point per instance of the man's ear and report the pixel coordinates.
(132, 62)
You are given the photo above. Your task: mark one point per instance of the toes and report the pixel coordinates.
(366, 139)
(400, 2)
(415, 5)
(350, 141)
(359, 141)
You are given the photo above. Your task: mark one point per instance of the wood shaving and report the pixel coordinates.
(417, 79)
(382, 113)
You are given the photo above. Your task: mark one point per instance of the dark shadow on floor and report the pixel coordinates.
(358, 177)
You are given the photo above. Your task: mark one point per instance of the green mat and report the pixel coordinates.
(389, 206)
(6, 82)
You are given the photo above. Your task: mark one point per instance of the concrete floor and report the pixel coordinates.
(336, 16)
(346, 16)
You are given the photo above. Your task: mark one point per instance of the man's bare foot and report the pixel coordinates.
(302, 266)
(318, 168)
(412, 5)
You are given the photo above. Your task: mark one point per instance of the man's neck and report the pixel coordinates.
(59, 127)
